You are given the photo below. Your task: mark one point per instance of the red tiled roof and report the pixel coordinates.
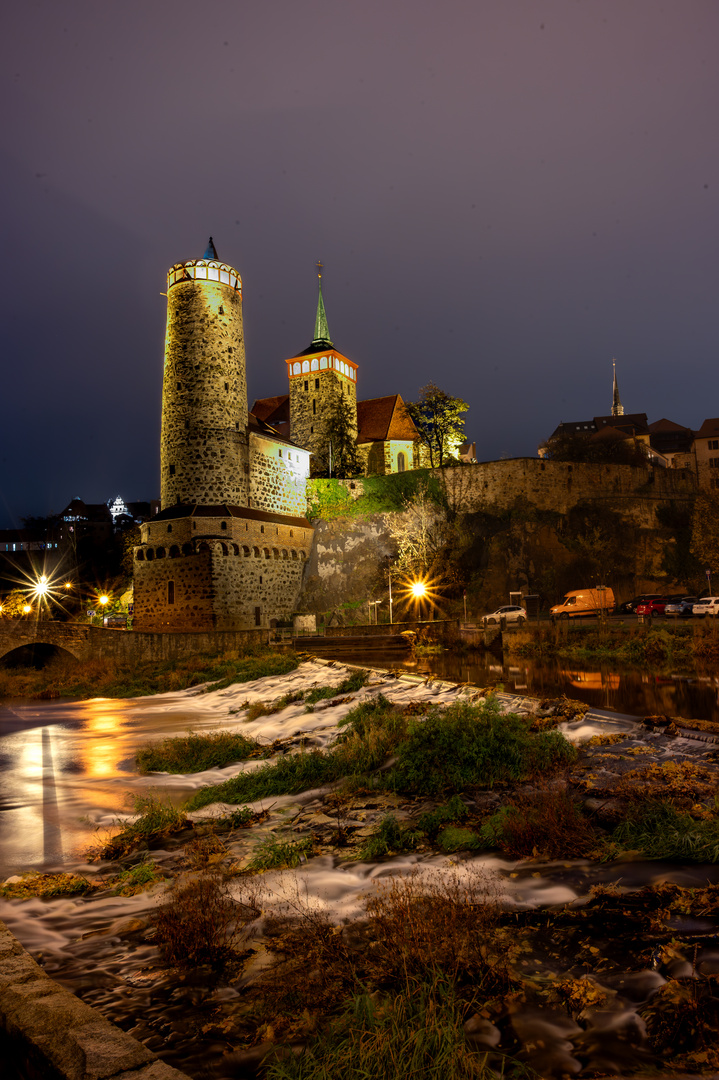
(666, 425)
(709, 429)
(383, 419)
(273, 410)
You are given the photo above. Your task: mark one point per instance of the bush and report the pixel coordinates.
(138, 878)
(468, 745)
(156, 820)
(199, 923)
(275, 854)
(547, 822)
(660, 831)
(432, 821)
(389, 836)
(195, 753)
(456, 839)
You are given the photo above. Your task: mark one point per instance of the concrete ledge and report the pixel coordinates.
(57, 1036)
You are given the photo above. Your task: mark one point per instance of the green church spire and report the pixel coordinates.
(322, 330)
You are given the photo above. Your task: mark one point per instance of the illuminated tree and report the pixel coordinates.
(439, 422)
(337, 455)
(14, 603)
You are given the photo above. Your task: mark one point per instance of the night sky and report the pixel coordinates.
(506, 195)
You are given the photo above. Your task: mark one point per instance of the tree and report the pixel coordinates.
(705, 530)
(439, 423)
(338, 450)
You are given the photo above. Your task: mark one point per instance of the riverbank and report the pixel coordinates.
(312, 890)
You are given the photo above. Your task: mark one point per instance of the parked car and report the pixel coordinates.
(629, 607)
(511, 613)
(681, 608)
(580, 602)
(708, 605)
(653, 607)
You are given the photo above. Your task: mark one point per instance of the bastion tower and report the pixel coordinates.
(227, 549)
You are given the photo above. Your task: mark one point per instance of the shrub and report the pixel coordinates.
(156, 820)
(137, 878)
(350, 685)
(548, 822)
(195, 753)
(456, 839)
(432, 821)
(467, 745)
(47, 885)
(660, 831)
(274, 854)
(199, 923)
(389, 836)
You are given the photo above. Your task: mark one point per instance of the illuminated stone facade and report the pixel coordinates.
(315, 382)
(228, 548)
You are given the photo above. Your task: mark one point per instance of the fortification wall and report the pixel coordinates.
(278, 476)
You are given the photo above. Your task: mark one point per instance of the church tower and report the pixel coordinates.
(617, 407)
(204, 394)
(317, 377)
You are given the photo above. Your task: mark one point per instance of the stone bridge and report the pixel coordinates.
(86, 642)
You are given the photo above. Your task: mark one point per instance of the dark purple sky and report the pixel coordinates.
(505, 194)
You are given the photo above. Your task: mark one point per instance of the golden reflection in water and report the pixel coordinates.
(100, 753)
(592, 680)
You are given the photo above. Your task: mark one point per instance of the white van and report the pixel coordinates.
(708, 605)
(584, 602)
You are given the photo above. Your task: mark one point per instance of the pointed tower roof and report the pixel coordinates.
(322, 331)
(617, 407)
(210, 252)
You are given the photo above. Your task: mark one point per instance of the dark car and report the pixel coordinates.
(629, 607)
(653, 607)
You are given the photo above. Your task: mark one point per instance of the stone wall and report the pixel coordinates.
(278, 476)
(204, 396)
(52, 1034)
(221, 573)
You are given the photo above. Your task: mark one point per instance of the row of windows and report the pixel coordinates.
(148, 554)
(208, 271)
(323, 364)
(714, 462)
(223, 526)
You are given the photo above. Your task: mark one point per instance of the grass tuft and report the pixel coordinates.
(195, 753)
(156, 820)
(272, 853)
(389, 837)
(660, 831)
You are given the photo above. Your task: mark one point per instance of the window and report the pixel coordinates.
(401, 462)
(317, 384)
(258, 616)
(279, 452)
(169, 528)
(714, 483)
(307, 385)
(262, 528)
(714, 462)
(314, 407)
(171, 592)
(223, 524)
(714, 444)
(172, 470)
(227, 386)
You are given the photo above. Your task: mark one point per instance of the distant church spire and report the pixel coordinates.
(322, 330)
(617, 407)
(210, 252)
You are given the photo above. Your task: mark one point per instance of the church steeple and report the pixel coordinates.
(210, 252)
(322, 331)
(617, 407)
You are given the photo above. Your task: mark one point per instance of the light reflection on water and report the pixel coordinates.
(631, 691)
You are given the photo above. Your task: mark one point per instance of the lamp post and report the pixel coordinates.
(389, 577)
(104, 600)
(419, 591)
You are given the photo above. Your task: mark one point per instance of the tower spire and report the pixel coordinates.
(210, 252)
(617, 407)
(322, 330)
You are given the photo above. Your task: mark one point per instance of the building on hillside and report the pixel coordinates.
(227, 549)
(673, 442)
(706, 454)
(387, 439)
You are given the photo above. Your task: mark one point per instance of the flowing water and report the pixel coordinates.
(66, 769)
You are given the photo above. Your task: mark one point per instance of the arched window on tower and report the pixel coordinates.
(315, 365)
(305, 366)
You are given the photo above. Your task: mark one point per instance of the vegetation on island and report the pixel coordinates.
(66, 677)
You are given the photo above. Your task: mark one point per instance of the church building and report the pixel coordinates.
(228, 547)
(386, 437)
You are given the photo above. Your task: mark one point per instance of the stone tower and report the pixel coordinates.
(316, 376)
(204, 394)
(227, 549)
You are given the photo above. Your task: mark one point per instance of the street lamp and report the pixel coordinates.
(104, 600)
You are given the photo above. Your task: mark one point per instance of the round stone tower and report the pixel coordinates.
(204, 394)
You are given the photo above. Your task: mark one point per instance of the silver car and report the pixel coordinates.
(681, 608)
(510, 613)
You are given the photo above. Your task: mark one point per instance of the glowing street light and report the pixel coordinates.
(26, 609)
(419, 590)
